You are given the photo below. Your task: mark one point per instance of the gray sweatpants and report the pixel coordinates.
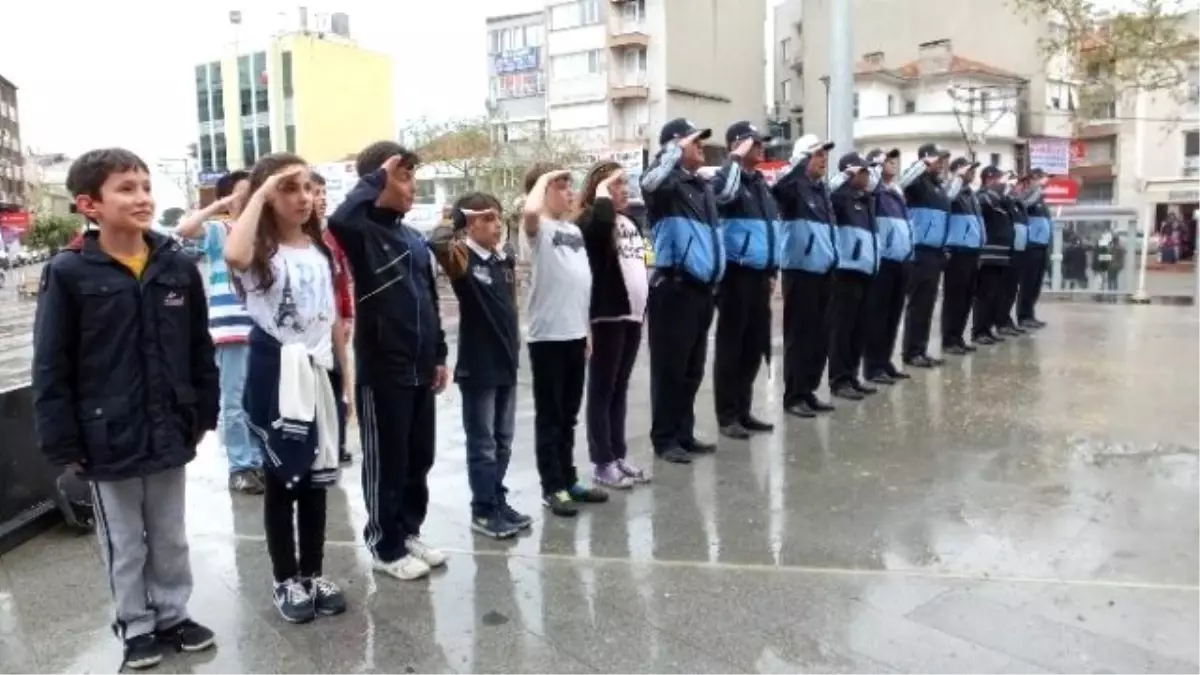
(140, 522)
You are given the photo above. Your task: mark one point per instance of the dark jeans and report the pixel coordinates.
(615, 346)
(305, 505)
(680, 313)
(922, 296)
(806, 316)
(883, 320)
(558, 370)
(335, 379)
(1033, 273)
(989, 296)
(851, 291)
(397, 429)
(489, 415)
(743, 339)
(957, 294)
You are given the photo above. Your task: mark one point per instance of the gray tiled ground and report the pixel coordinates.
(1032, 508)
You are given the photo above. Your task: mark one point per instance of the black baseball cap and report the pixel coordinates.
(960, 162)
(680, 128)
(877, 156)
(931, 150)
(852, 160)
(1037, 173)
(990, 172)
(742, 130)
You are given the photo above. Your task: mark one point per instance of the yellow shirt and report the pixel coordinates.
(135, 263)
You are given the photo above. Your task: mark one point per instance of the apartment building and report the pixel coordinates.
(516, 77)
(787, 55)
(310, 90)
(619, 69)
(12, 172)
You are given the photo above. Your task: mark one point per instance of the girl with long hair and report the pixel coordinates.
(283, 271)
(616, 253)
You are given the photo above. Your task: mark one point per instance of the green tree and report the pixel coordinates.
(170, 217)
(52, 232)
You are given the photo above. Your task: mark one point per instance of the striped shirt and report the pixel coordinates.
(228, 322)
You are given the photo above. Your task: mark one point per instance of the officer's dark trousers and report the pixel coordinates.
(851, 297)
(679, 313)
(743, 337)
(883, 318)
(1012, 285)
(806, 298)
(1033, 273)
(989, 297)
(957, 294)
(923, 282)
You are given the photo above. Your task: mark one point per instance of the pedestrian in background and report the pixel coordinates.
(125, 385)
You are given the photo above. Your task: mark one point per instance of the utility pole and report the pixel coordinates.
(841, 80)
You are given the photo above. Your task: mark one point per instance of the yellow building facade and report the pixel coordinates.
(322, 97)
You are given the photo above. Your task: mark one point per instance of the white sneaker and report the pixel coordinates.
(407, 568)
(428, 554)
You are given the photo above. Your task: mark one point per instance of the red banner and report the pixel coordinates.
(1061, 190)
(15, 220)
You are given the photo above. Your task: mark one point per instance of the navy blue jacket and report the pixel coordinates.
(806, 239)
(749, 218)
(1020, 220)
(930, 210)
(686, 227)
(893, 224)
(1040, 227)
(854, 213)
(965, 230)
(398, 337)
(998, 227)
(124, 377)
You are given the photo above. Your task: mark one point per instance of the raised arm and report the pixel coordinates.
(1032, 197)
(912, 173)
(192, 225)
(449, 250)
(661, 175)
(536, 199)
(955, 186)
(239, 246)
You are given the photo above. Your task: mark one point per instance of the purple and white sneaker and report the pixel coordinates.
(635, 473)
(610, 475)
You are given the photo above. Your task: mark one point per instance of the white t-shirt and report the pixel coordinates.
(299, 306)
(631, 256)
(561, 290)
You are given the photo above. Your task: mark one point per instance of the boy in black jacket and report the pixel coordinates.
(482, 275)
(400, 352)
(125, 385)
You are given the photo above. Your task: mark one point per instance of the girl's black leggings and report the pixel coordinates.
(291, 515)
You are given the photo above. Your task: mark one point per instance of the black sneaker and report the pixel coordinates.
(921, 361)
(560, 504)
(494, 526)
(863, 388)
(187, 636)
(328, 599)
(955, 350)
(674, 455)
(587, 495)
(735, 431)
(756, 426)
(897, 374)
(295, 604)
(984, 339)
(818, 405)
(522, 521)
(880, 377)
(143, 651)
(847, 391)
(800, 409)
(699, 447)
(246, 482)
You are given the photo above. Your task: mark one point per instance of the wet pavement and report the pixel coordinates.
(1031, 508)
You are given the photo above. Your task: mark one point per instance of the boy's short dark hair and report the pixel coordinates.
(317, 178)
(89, 171)
(537, 171)
(226, 183)
(475, 201)
(374, 155)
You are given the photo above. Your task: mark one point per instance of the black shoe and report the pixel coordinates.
(187, 636)
(675, 455)
(735, 431)
(143, 651)
(699, 447)
(864, 388)
(954, 350)
(755, 425)
(969, 348)
(881, 378)
(246, 482)
(921, 361)
(995, 335)
(1031, 324)
(896, 374)
(1009, 331)
(344, 458)
(328, 599)
(800, 409)
(294, 602)
(984, 339)
(495, 526)
(847, 391)
(560, 504)
(521, 520)
(587, 495)
(818, 405)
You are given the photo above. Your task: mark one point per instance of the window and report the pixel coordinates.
(264, 140)
(984, 102)
(244, 76)
(493, 42)
(533, 35)
(573, 14)
(248, 156)
(891, 110)
(995, 159)
(785, 49)
(221, 164)
(856, 105)
(1096, 191)
(206, 160)
(579, 64)
(426, 192)
(260, 69)
(246, 102)
(202, 94)
(1191, 143)
(287, 74)
(785, 91)
(1193, 84)
(910, 106)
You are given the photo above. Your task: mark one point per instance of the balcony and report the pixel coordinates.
(627, 86)
(932, 124)
(627, 31)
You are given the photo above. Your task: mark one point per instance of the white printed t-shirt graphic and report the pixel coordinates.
(561, 291)
(631, 256)
(299, 306)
